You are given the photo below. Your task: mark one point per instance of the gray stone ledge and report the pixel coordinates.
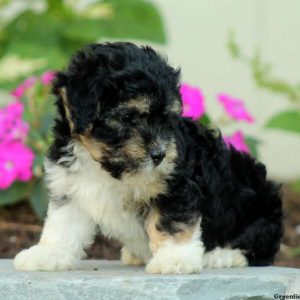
(111, 280)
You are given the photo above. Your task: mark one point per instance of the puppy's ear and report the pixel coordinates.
(79, 101)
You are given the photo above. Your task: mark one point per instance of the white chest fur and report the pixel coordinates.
(111, 203)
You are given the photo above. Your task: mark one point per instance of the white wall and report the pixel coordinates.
(197, 34)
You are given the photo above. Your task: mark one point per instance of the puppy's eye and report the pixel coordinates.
(128, 119)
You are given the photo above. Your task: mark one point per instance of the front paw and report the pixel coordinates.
(44, 258)
(129, 259)
(177, 259)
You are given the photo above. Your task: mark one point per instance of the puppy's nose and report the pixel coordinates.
(157, 155)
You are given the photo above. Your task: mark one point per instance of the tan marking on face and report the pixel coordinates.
(171, 151)
(95, 148)
(142, 105)
(134, 147)
(63, 94)
(158, 238)
(176, 107)
(150, 181)
(168, 164)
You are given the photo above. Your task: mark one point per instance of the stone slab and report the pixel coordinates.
(110, 280)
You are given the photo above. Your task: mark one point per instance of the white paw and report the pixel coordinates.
(129, 259)
(42, 258)
(177, 259)
(224, 258)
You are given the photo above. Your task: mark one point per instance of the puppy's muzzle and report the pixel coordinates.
(157, 155)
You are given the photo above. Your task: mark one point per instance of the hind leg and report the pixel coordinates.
(260, 241)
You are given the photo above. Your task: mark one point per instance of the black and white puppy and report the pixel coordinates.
(168, 188)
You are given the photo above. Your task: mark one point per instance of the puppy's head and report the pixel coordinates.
(120, 102)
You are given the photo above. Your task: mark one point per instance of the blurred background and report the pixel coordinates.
(240, 72)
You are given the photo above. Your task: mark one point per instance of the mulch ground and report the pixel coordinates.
(20, 228)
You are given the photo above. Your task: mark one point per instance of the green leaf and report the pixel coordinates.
(296, 186)
(130, 19)
(39, 199)
(38, 166)
(15, 193)
(253, 144)
(294, 252)
(55, 34)
(135, 19)
(233, 46)
(262, 74)
(3, 3)
(47, 123)
(288, 121)
(205, 120)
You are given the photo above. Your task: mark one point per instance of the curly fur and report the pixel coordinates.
(125, 159)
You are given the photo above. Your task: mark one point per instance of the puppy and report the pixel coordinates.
(124, 159)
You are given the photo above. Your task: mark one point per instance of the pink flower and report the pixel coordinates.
(19, 131)
(235, 108)
(15, 109)
(18, 92)
(193, 101)
(29, 82)
(25, 85)
(15, 163)
(47, 77)
(12, 127)
(237, 140)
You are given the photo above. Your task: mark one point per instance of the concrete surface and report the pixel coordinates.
(111, 280)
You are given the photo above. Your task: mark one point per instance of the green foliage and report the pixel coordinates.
(39, 198)
(294, 252)
(205, 120)
(253, 144)
(233, 46)
(15, 193)
(3, 3)
(53, 35)
(39, 114)
(296, 185)
(287, 120)
(262, 72)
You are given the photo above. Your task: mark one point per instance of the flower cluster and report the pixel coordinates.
(193, 101)
(16, 159)
(45, 79)
(235, 108)
(237, 140)
(194, 107)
